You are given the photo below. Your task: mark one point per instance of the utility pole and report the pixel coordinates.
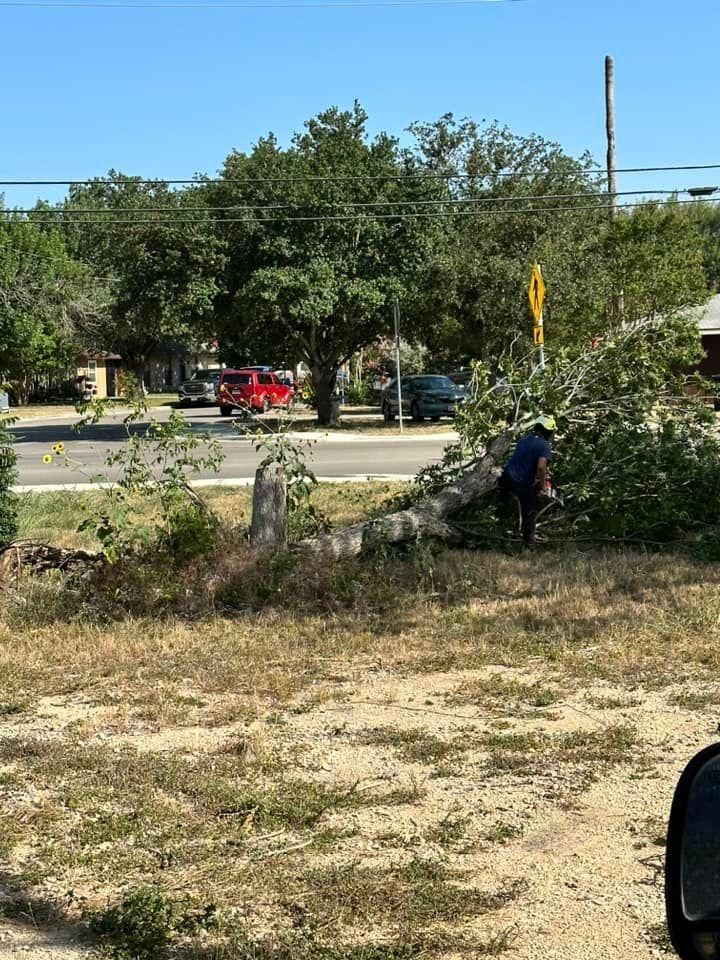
(396, 314)
(610, 127)
(618, 304)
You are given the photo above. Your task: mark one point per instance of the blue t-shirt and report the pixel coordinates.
(522, 466)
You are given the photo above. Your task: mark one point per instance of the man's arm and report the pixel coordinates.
(541, 475)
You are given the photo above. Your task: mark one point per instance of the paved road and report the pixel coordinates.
(334, 456)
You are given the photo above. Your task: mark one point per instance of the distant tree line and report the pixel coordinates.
(297, 253)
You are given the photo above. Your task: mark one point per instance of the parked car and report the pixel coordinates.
(251, 389)
(426, 395)
(201, 387)
(461, 377)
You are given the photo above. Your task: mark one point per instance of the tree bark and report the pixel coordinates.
(324, 382)
(426, 519)
(269, 527)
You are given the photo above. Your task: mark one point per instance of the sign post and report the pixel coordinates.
(396, 314)
(536, 295)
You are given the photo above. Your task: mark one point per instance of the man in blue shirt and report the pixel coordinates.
(525, 474)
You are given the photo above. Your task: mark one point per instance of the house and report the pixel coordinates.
(709, 326)
(97, 372)
(165, 370)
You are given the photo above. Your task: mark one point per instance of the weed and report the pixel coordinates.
(526, 753)
(613, 703)
(145, 922)
(501, 693)
(498, 944)
(413, 896)
(502, 833)
(304, 944)
(12, 708)
(448, 830)
(659, 937)
(415, 745)
(699, 700)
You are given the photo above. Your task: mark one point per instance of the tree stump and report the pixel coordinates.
(268, 527)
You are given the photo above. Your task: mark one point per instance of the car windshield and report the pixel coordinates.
(205, 375)
(435, 383)
(237, 378)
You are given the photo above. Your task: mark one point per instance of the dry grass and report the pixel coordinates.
(378, 760)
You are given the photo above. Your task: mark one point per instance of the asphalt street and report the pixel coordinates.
(333, 455)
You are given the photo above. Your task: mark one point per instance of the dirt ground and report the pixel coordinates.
(582, 839)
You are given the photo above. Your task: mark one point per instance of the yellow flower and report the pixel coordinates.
(59, 448)
(47, 458)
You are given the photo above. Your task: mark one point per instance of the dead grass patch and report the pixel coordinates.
(104, 787)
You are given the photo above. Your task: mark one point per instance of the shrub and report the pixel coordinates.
(145, 922)
(8, 475)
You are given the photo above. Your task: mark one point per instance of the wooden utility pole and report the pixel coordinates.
(610, 127)
(618, 303)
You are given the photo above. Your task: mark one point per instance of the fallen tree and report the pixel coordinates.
(637, 451)
(427, 519)
(43, 556)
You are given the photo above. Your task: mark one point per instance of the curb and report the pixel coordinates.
(211, 482)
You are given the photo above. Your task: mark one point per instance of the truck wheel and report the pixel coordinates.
(225, 411)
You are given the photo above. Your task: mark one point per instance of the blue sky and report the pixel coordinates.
(167, 93)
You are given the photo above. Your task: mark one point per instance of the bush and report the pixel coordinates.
(145, 922)
(8, 475)
(636, 457)
(359, 394)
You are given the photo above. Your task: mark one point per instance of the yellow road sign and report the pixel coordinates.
(538, 336)
(536, 293)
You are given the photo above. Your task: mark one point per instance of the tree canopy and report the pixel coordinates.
(297, 252)
(163, 268)
(45, 296)
(320, 289)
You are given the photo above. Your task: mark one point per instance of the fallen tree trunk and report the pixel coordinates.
(426, 519)
(42, 556)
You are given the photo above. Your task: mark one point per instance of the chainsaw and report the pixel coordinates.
(549, 492)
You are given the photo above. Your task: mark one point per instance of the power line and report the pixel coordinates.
(451, 201)
(407, 215)
(239, 5)
(339, 179)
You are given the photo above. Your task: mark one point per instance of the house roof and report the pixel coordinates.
(99, 355)
(709, 317)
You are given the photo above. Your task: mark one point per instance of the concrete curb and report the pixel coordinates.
(318, 436)
(211, 482)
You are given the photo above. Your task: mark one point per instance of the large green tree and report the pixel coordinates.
(706, 219)
(525, 201)
(158, 250)
(328, 241)
(45, 296)
(517, 200)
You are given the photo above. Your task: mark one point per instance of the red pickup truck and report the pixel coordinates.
(245, 389)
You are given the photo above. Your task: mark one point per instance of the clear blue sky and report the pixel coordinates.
(167, 93)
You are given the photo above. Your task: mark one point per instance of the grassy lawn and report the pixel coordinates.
(161, 399)
(37, 411)
(433, 755)
(370, 426)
